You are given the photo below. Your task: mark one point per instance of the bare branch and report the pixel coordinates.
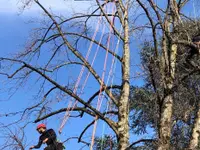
(13, 74)
(97, 93)
(76, 53)
(73, 109)
(153, 27)
(82, 133)
(88, 38)
(70, 138)
(140, 141)
(110, 23)
(111, 124)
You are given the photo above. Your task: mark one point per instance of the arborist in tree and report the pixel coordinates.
(193, 51)
(196, 40)
(47, 137)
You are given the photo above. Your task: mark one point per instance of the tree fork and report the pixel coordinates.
(167, 105)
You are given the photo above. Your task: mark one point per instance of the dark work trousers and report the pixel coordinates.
(56, 146)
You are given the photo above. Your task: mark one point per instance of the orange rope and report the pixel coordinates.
(99, 102)
(67, 114)
(113, 66)
(88, 72)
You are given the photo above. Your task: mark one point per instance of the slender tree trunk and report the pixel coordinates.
(194, 140)
(165, 123)
(167, 105)
(168, 77)
(123, 127)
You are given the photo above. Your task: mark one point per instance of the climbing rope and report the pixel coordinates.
(114, 64)
(88, 74)
(67, 114)
(100, 98)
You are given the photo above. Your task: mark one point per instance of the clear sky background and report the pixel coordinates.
(15, 29)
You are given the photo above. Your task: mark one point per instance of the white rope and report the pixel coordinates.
(112, 80)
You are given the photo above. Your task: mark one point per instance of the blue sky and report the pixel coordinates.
(14, 34)
(15, 28)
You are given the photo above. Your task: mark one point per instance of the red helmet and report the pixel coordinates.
(41, 126)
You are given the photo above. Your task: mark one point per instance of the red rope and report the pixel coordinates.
(67, 114)
(99, 102)
(88, 72)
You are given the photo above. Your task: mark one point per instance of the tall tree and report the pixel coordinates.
(164, 58)
(66, 37)
(64, 34)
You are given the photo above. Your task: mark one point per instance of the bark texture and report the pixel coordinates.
(195, 132)
(167, 106)
(123, 127)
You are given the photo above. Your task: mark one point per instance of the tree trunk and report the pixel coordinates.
(168, 78)
(194, 140)
(165, 123)
(167, 105)
(123, 127)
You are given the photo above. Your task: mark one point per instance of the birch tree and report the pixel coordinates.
(63, 35)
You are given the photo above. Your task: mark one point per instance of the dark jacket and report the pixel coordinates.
(50, 134)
